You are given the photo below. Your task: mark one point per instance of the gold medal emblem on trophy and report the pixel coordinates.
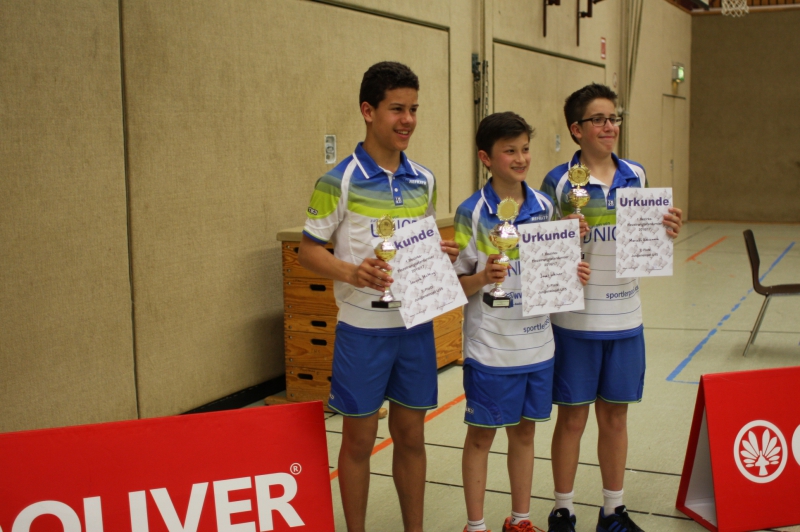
(503, 236)
(579, 176)
(386, 251)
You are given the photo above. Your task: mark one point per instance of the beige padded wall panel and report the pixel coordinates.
(745, 117)
(521, 22)
(66, 353)
(534, 86)
(666, 37)
(227, 106)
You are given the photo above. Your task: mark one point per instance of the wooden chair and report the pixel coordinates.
(767, 291)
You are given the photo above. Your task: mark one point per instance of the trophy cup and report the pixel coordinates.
(386, 251)
(579, 176)
(503, 236)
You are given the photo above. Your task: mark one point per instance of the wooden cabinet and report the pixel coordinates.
(310, 324)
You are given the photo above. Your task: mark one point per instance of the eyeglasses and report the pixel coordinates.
(600, 121)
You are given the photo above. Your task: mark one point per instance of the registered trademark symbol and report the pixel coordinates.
(295, 469)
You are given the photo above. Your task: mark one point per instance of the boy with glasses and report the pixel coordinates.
(599, 351)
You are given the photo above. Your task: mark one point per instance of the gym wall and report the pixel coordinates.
(152, 150)
(746, 116)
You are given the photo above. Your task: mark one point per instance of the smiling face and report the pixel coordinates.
(509, 160)
(391, 123)
(597, 140)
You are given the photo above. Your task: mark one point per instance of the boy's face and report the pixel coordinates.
(597, 139)
(391, 124)
(509, 160)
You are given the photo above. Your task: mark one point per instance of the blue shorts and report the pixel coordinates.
(495, 401)
(612, 370)
(370, 365)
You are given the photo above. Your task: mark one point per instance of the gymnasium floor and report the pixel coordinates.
(696, 322)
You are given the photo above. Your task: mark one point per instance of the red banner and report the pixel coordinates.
(249, 470)
(742, 468)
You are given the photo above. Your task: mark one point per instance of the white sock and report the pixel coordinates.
(611, 499)
(516, 518)
(476, 526)
(564, 500)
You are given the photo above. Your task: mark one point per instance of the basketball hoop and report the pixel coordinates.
(735, 8)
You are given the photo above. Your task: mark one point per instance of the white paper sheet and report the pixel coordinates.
(549, 254)
(424, 278)
(643, 247)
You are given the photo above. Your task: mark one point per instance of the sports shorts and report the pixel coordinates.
(586, 369)
(370, 365)
(495, 401)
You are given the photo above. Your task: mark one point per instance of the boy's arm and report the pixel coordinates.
(315, 257)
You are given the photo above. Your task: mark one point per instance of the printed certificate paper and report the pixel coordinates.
(424, 279)
(643, 247)
(549, 254)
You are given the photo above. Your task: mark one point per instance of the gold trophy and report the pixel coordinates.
(386, 251)
(503, 236)
(579, 176)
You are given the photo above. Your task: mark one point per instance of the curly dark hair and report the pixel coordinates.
(498, 126)
(577, 102)
(385, 76)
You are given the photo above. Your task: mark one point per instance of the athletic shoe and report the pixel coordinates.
(619, 521)
(465, 530)
(560, 521)
(522, 526)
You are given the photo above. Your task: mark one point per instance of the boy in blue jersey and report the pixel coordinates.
(599, 354)
(375, 356)
(508, 357)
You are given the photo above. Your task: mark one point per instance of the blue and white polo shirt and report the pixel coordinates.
(344, 208)
(500, 340)
(613, 307)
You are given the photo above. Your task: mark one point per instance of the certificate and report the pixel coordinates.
(643, 247)
(549, 254)
(424, 278)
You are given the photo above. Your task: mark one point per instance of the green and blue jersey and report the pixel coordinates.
(613, 307)
(344, 209)
(500, 340)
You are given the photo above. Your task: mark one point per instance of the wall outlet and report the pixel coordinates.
(330, 149)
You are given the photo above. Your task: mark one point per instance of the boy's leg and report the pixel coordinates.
(612, 442)
(520, 464)
(566, 446)
(406, 426)
(474, 463)
(358, 440)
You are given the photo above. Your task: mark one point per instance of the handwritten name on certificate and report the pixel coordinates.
(643, 247)
(549, 254)
(424, 279)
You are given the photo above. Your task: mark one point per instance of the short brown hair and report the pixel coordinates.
(385, 76)
(499, 126)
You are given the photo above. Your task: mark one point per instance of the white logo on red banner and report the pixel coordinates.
(760, 451)
(796, 444)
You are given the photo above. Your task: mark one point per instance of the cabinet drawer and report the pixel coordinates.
(291, 262)
(309, 350)
(307, 384)
(309, 296)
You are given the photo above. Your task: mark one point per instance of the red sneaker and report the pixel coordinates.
(522, 526)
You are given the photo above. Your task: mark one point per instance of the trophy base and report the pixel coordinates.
(496, 302)
(386, 304)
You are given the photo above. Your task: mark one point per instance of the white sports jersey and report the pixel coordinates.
(500, 340)
(345, 206)
(613, 307)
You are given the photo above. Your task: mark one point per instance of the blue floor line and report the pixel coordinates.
(712, 332)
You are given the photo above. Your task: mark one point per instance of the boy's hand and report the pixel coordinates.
(494, 273)
(584, 271)
(451, 248)
(583, 224)
(370, 274)
(673, 221)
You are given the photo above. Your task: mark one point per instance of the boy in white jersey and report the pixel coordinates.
(508, 366)
(599, 354)
(375, 356)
